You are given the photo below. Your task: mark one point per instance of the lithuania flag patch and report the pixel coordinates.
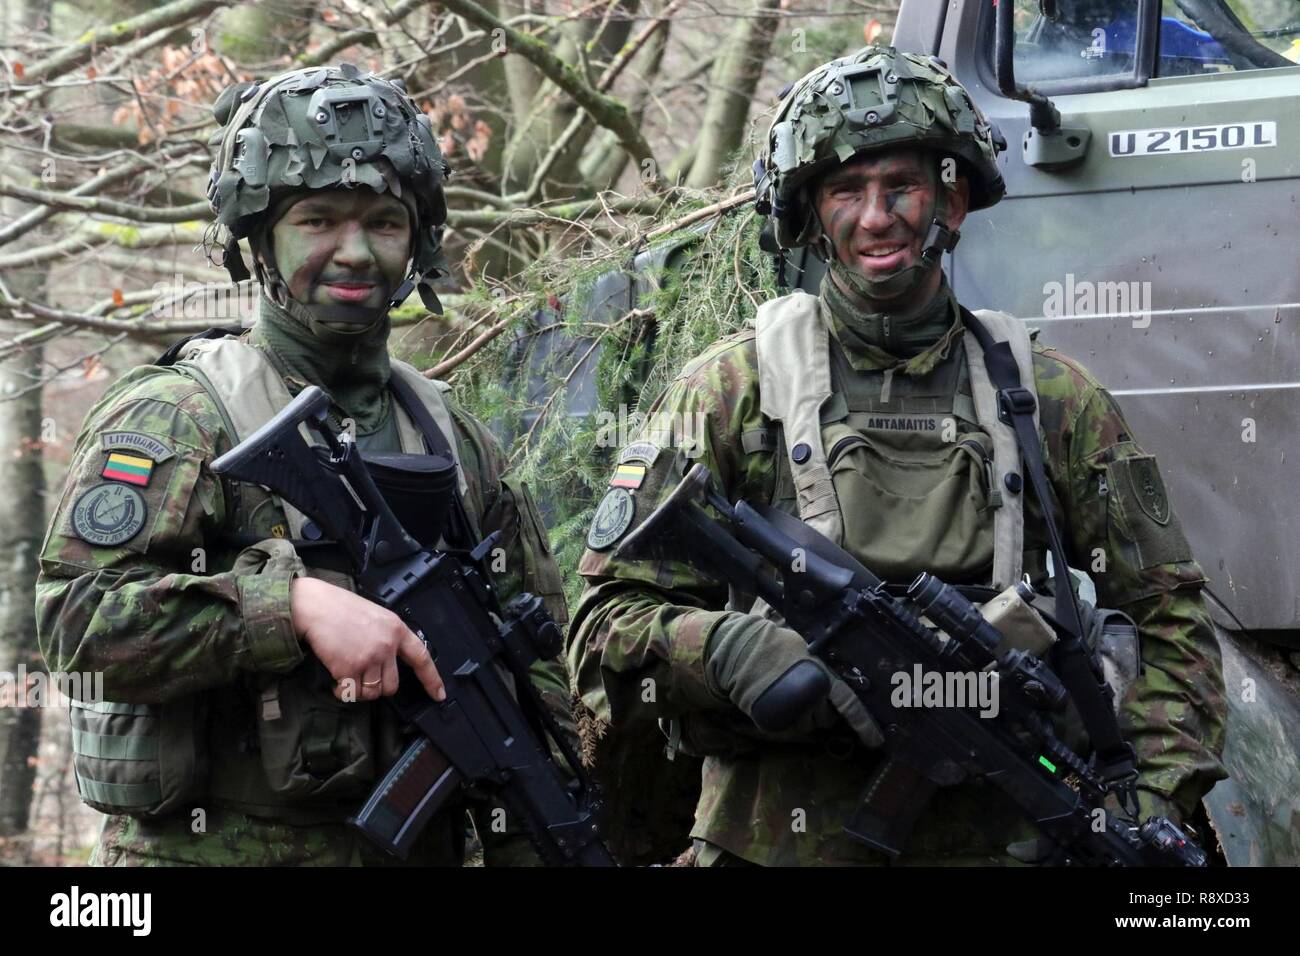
(129, 468)
(628, 476)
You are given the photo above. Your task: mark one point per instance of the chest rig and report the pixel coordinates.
(249, 391)
(925, 465)
(876, 480)
(281, 745)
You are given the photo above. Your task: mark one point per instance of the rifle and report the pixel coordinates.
(867, 637)
(481, 736)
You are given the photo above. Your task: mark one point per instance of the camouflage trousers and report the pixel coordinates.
(707, 854)
(231, 838)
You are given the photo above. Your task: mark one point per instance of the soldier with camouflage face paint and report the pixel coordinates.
(868, 411)
(244, 675)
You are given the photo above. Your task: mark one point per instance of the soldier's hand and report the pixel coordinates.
(767, 671)
(358, 641)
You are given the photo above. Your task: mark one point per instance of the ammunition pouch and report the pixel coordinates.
(145, 760)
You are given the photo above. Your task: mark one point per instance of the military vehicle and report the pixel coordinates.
(1150, 229)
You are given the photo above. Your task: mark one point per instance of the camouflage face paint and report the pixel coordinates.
(877, 209)
(343, 248)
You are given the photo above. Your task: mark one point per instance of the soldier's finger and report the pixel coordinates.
(414, 652)
(390, 678)
(372, 683)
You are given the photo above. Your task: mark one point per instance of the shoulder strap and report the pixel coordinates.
(1009, 513)
(794, 381)
(174, 350)
(247, 390)
(439, 442)
(1016, 406)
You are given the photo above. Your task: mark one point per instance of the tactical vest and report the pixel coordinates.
(921, 465)
(271, 745)
(908, 497)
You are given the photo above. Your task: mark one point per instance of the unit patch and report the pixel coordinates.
(613, 515)
(1149, 489)
(132, 469)
(136, 444)
(108, 514)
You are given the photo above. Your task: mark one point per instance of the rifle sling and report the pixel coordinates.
(1016, 407)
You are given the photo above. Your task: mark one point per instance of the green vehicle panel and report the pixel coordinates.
(1162, 252)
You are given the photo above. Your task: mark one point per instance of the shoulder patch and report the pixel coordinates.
(1148, 488)
(108, 514)
(136, 443)
(643, 451)
(629, 475)
(613, 516)
(133, 469)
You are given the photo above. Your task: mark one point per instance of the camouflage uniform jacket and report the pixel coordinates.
(164, 615)
(641, 628)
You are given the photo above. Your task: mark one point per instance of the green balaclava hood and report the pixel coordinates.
(886, 337)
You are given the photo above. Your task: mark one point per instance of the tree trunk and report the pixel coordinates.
(522, 78)
(550, 111)
(22, 521)
(258, 34)
(735, 77)
(604, 164)
(22, 508)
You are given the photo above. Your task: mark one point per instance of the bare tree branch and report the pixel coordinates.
(109, 207)
(564, 212)
(608, 111)
(80, 51)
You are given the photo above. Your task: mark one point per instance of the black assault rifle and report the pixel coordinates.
(866, 635)
(481, 736)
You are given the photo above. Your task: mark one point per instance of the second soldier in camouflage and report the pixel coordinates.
(874, 160)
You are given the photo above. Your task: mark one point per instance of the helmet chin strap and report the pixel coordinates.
(938, 240)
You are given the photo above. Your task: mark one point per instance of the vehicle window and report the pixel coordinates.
(1061, 42)
(1074, 39)
(1214, 36)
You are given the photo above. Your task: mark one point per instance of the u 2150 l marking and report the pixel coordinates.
(1193, 139)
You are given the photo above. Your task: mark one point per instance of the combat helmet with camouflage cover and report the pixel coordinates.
(873, 99)
(318, 128)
